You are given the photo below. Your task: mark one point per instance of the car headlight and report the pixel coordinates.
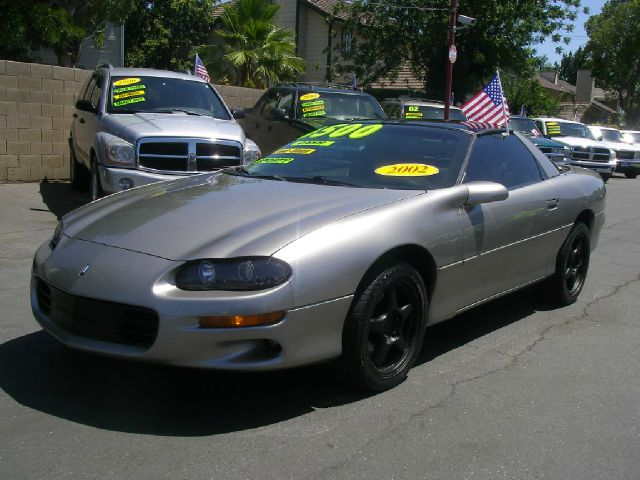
(255, 273)
(119, 153)
(251, 152)
(57, 234)
(613, 155)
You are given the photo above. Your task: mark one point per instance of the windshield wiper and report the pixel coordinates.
(241, 171)
(320, 180)
(180, 110)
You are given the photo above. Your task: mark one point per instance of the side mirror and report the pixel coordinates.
(237, 113)
(485, 192)
(86, 106)
(279, 114)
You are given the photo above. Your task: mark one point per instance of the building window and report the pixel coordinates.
(346, 42)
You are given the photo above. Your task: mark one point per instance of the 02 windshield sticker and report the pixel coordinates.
(413, 111)
(352, 131)
(126, 81)
(407, 170)
(274, 160)
(296, 151)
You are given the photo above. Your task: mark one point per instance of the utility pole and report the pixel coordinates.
(451, 58)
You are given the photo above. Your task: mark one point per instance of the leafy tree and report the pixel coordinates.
(161, 33)
(571, 63)
(56, 24)
(614, 42)
(390, 33)
(254, 50)
(526, 91)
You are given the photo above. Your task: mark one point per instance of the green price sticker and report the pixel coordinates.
(276, 160)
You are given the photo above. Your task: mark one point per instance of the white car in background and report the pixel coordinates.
(627, 154)
(631, 136)
(586, 151)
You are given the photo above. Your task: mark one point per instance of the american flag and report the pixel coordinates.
(201, 70)
(489, 105)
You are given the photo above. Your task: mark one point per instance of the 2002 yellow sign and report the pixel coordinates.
(309, 96)
(407, 170)
(126, 81)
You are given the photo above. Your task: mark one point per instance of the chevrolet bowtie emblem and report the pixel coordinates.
(84, 270)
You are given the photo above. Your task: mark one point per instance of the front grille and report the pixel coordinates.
(98, 319)
(625, 154)
(591, 154)
(188, 154)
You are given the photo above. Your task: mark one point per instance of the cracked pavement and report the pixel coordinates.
(515, 389)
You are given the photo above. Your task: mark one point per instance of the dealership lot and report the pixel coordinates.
(514, 389)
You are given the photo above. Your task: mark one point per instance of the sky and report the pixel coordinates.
(578, 36)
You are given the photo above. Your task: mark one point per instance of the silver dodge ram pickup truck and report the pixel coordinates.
(137, 126)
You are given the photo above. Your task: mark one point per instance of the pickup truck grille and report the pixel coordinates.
(591, 154)
(187, 155)
(625, 154)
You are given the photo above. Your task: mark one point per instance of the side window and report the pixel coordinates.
(96, 94)
(284, 102)
(270, 103)
(90, 86)
(502, 159)
(540, 126)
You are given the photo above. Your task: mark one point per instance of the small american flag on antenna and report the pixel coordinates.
(489, 105)
(200, 70)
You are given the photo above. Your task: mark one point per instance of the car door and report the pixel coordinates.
(87, 123)
(276, 116)
(252, 122)
(507, 243)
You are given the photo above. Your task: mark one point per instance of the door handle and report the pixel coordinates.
(552, 203)
(82, 120)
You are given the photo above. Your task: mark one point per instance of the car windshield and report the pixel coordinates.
(611, 135)
(164, 95)
(525, 126)
(431, 112)
(562, 129)
(632, 137)
(371, 155)
(338, 106)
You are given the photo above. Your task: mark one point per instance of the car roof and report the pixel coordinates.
(149, 72)
(467, 127)
(601, 127)
(555, 119)
(322, 88)
(520, 117)
(419, 102)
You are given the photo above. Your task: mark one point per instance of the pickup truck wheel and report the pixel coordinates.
(631, 174)
(96, 186)
(605, 177)
(77, 173)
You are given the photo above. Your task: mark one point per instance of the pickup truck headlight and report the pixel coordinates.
(119, 153)
(251, 152)
(239, 274)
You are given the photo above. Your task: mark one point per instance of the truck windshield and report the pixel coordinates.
(562, 129)
(338, 106)
(164, 95)
(430, 112)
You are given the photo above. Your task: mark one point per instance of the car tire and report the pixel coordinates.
(77, 173)
(384, 329)
(95, 184)
(631, 174)
(572, 265)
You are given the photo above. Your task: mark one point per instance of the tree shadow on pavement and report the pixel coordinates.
(61, 199)
(38, 372)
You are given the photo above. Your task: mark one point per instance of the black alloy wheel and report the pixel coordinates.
(384, 331)
(572, 265)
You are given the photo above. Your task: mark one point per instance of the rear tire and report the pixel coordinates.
(631, 174)
(383, 332)
(572, 265)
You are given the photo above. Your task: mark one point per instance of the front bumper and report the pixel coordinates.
(110, 178)
(600, 167)
(307, 334)
(628, 166)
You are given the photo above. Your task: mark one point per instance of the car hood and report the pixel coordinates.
(134, 126)
(218, 215)
(544, 142)
(578, 142)
(620, 146)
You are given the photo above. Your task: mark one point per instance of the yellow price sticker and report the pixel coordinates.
(296, 151)
(126, 81)
(313, 143)
(269, 160)
(407, 170)
(310, 96)
(129, 94)
(127, 101)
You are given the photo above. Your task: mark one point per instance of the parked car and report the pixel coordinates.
(627, 155)
(290, 110)
(343, 244)
(137, 126)
(631, 136)
(586, 151)
(557, 152)
(419, 109)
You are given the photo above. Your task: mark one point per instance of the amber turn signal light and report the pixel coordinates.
(237, 321)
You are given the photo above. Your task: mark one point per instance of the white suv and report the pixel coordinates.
(586, 151)
(627, 155)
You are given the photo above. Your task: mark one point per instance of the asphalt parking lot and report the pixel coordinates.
(512, 390)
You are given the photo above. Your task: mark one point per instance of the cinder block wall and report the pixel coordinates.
(36, 108)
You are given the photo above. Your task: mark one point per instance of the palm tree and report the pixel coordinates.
(256, 50)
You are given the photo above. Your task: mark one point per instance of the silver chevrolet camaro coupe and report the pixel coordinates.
(344, 244)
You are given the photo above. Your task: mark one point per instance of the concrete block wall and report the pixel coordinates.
(36, 108)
